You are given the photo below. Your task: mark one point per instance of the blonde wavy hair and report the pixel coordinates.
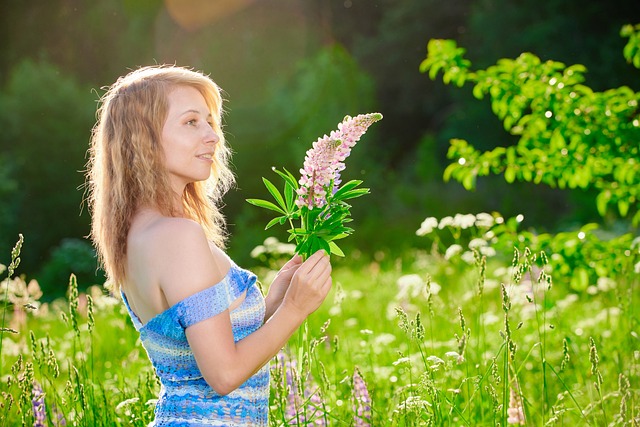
(126, 168)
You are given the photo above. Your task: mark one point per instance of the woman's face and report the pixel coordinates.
(188, 139)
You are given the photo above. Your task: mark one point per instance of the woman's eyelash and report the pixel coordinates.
(194, 122)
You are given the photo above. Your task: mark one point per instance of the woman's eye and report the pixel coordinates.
(211, 124)
(191, 122)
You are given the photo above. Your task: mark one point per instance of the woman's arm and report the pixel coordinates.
(188, 266)
(225, 364)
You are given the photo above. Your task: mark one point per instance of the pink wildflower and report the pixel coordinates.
(515, 413)
(306, 409)
(325, 160)
(37, 402)
(362, 401)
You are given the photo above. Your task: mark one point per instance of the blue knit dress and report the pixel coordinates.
(185, 397)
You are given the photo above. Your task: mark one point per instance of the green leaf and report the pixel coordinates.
(623, 207)
(335, 249)
(288, 177)
(510, 174)
(266, 205)
(323, 244)
(579, 279)
(469, 181)
(602, 200)
(346, 187)
(446, 176)
(275, 193)
(289, 196)
(354, 193)
(340, 236)
(275, 221)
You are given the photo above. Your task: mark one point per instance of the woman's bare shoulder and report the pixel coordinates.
(178, 252)
(158, 233)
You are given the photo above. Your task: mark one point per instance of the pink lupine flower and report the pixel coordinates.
(515, 412)
(306, 409)
(58, 417)
(318, 198)
(362, 401)
(39, 410)
(325, 160)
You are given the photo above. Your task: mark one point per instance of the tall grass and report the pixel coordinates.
(417, 340)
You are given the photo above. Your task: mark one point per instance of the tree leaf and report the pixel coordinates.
(602, 200)
(623, 207)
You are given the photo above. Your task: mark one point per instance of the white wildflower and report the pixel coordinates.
(488, 251)
(456, 356)
(477, 243)
(402, 361)
(427, 226)
(257, 251)
(464, 221)
(335, 310)
(435, 361)
(414, 404)
(384, 339)
(434, 288)
(606, 284)
(356, 294)
(468, 257)
(410, 285)
(127, 403)
(452, 251)
(484, 220)
(446, 221)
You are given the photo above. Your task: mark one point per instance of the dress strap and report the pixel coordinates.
(213, 300)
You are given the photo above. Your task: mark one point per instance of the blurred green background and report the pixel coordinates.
(291, 70)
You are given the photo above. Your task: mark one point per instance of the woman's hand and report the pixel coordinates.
(310, 284)
(280, 284)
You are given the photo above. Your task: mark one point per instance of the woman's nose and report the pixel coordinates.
(212, 136)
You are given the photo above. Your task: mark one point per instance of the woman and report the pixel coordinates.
(157, 170)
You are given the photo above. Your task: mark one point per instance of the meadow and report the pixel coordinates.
(479, 327)
(480, 323)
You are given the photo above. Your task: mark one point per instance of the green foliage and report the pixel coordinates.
(319, 227)
(437, 343)
(632, 49)
(323, 89)
(568, 134)
(301, 106)
(45, 119)
(81, 354)
(582, 260)
(71, 256)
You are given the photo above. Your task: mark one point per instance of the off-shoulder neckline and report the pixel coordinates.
(140, 326)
